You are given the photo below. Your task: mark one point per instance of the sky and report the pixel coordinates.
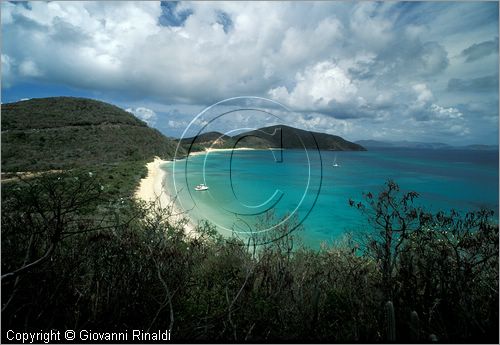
(420, 71)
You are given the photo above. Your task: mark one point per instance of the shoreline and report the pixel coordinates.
(153, 189)
(208, 150)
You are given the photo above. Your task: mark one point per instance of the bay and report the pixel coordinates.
(243, 185)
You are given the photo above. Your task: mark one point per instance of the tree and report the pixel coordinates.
(45, 210)
(394, 217)
(445, 265)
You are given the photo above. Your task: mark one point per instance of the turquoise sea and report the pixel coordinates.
(243, 185)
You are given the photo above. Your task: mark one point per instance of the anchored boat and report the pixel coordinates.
(201, 187)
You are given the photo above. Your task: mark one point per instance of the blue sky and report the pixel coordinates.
(424, 71)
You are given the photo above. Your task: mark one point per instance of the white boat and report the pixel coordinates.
(335, 164)
(200, 187)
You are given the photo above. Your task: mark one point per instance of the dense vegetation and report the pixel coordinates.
(74, 258)
(55, 112)
(66, 132)
(279, 136)
(79, 253)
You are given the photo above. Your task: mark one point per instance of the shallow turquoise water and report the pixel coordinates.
(245, 184)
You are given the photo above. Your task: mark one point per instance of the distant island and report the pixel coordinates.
(422, 145)
(277, 136)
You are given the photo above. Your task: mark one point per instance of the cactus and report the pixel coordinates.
(391, 322)
(414, 327)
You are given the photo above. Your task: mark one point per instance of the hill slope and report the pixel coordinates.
(272, 136)
(66, 132)
(209, 139)
(294, 138)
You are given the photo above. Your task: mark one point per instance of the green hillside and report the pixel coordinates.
(273, 136)
(294, 138)
(210, 139)
(66, 132)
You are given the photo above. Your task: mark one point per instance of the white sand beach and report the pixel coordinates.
(152, 188)
(197, 153)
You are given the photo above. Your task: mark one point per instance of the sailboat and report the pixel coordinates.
(200, 187)
(335, 164)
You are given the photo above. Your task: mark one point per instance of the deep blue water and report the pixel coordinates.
(245, 184)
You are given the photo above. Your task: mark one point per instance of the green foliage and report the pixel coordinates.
(55, 112)
(449, 270)
(131, 265)
(443, 265)
(64, 132)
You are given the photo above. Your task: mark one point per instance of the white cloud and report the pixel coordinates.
(317, 88)
(424, 95)
(145, 114)
(372, 29)
(446, 113)
(28, 68)
(322, 123)
(385, 62)
(6, 70)
(437, 120)
(177, 124)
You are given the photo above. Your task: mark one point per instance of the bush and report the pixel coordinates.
(129, 265)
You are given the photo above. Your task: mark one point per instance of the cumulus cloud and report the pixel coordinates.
(444, 120)
(177, 124)
(144, 114)
(322, 123)
(424, 95)
(373, 29)
(317, 88)
(381, 62)
(425, 113)
(445, 113)
(186, 53)
(29, 69)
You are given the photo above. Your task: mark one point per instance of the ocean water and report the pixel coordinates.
(304, 187)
